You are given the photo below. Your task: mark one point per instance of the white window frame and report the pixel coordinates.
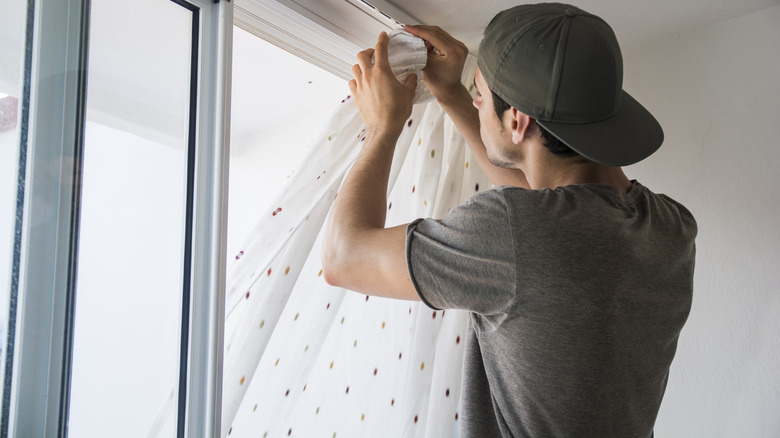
(203, 410)
(43, 298)
(54, 100)
(327, 33)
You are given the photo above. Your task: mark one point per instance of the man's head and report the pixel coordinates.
(562, 67)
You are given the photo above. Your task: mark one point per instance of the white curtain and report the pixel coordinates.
(306, 359)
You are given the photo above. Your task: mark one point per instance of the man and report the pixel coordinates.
(578, 280)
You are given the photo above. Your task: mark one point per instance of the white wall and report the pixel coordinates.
(716, 92)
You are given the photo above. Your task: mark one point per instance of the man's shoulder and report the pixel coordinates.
(501, 195)
(483, 214)
(509, 201)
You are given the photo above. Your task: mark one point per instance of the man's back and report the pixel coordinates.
(578, 296)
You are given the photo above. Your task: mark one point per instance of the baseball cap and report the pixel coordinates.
(563, 67)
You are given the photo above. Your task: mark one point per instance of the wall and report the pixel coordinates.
(716, 92)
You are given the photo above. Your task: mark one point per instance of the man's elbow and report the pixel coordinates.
(329, 273)
(332, 266)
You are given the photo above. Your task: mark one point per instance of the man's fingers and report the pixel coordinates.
(352, 85)
(435, 35)
(380, 52)
(364, 59)
(357, 72)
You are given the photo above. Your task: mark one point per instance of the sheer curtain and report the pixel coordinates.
(305, 359)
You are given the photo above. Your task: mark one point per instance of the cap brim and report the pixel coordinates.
(629, 136)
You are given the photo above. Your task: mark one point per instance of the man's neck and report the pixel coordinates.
(545, 170)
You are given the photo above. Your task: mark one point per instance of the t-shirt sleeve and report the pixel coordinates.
(465, 261)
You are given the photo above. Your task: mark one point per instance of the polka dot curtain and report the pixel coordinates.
(304, 359)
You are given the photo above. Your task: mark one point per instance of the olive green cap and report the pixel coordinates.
(563, 67)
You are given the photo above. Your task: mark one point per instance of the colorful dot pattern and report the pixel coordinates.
(307, 359)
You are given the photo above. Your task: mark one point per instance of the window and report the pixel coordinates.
(133, 260)
(164, 150)
(68, 205)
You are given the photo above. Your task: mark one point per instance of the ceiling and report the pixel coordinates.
(635, 22)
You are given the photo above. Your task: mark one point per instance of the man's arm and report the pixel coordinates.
(359, 253)
(442, 75)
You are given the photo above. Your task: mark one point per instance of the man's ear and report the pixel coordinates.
(521, 125)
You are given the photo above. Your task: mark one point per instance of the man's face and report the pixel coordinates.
(497, 139)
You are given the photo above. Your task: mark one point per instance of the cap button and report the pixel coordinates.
(570, 12)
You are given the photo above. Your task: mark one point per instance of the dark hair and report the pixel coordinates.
(551, 142)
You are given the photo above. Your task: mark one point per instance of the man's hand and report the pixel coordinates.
(446, 58)
(384, 103)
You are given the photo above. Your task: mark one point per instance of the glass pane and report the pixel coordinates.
(12, 28)
(128, 306)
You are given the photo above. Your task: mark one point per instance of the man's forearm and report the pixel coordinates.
(360, 203)
(466, 118)
(359, 208)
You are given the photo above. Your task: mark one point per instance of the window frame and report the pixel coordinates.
(327, 33)
(43, 290)
(43, 275)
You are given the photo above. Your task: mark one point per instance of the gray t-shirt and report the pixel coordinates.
(576, 296)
